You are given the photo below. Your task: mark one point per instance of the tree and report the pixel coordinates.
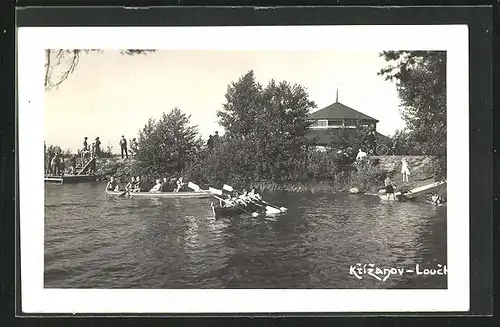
(420, 78)
(167, 146)
(60, 63)
(243, 103)
(266, 127)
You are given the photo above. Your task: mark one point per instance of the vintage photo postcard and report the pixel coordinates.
(171, 171)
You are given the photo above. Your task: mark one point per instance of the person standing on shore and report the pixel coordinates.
(389, 188)
(210, 142)
(97, 149)
(73, 164)
(404, 170)
(54, 164)
(215, 139)
(123, 146)
(85, 144)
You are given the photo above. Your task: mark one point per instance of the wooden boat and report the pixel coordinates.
(182, 195)
(251, 209)
(69, 179)
(227, 212)
(416, 192)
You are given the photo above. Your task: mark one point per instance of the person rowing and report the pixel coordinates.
(180, 184)
(112, 185)
(254, 196)
(243, 198)
(130, 185)
(137, 185)
(157, 187)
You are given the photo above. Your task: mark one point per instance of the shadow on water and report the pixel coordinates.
(93, 240)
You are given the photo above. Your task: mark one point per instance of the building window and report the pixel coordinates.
(351, 122)
(335, 123)
(322, 123)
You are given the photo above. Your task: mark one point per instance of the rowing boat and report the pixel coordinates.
(190, 195)
(227, 212)
(239, 210)
(416, 192)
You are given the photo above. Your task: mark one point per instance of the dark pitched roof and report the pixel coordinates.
(338, 110)
(324, 136)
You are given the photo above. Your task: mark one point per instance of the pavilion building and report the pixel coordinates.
(337, 118)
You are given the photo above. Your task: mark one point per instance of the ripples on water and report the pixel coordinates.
(94, 241)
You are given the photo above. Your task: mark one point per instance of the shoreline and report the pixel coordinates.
(366, 178)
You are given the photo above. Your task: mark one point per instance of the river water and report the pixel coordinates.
(97, 241)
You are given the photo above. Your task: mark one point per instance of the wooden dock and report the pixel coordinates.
(70, 179)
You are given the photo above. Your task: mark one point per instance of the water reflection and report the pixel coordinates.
(92, 240)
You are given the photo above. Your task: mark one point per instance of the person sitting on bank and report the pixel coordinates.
(156, 188)
(130, 185)
(112, 184)
(361, 155)
(389, 188)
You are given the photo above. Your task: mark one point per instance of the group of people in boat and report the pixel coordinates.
(136, 184)
(244, 199)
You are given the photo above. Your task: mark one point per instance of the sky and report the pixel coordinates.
(110, 94)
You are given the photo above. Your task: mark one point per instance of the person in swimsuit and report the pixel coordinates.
(112, 184)
(404, 170)
(157, 187)
(389, 188)
(130, 185)
(361, 155)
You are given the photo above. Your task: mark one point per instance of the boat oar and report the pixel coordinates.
(122, 194)
(194, 187)
(225, 201)
(227, 188)
(282, 209)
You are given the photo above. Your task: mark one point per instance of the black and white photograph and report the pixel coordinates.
(258, 169)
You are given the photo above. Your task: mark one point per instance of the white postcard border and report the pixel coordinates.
(33, 40)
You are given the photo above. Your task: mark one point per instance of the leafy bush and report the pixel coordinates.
(367, 177)
(169, 145)
(108, 153)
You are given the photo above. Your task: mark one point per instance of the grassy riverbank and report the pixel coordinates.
(367, 177)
